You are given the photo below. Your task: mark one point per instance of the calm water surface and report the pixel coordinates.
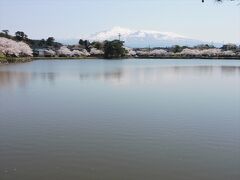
(120, 120)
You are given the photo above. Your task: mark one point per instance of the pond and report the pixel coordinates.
(114, 120)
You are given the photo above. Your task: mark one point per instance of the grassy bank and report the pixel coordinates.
(59, 58)
(9, 60)
(139, 57)
(187, 57)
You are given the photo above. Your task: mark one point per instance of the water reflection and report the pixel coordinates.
(122, 75)
(126, 75)
(230, 70)
(46, 76)
(11, 79)
(173, 120)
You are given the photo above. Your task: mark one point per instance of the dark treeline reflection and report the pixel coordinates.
(21, 79)
(119, 75)
(49, 76)
(230, 70)
(155, 74)
(8, 78)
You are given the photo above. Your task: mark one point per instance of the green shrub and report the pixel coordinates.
(114, 49)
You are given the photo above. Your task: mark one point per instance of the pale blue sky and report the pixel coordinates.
(76, 18)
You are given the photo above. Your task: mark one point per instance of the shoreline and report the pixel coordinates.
(141, 57)
(172, 57)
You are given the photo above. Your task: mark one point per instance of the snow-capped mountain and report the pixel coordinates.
(144, 38)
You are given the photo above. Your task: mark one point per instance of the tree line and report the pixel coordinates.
(109, 49)
(33, 43)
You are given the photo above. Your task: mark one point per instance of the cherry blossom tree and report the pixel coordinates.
(155, 53)
(190, 52)
(49, 53)
(12, 48)
(211, 52)
(158, 52)
(85, 52)
(229, 53)
(77, 53)
(142, 53)
(96, 52)
(130, 52)
(64, 52)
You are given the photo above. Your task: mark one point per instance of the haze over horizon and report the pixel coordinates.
(209, 21)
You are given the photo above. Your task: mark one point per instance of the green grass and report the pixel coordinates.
(7, 60)
(59, 58)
